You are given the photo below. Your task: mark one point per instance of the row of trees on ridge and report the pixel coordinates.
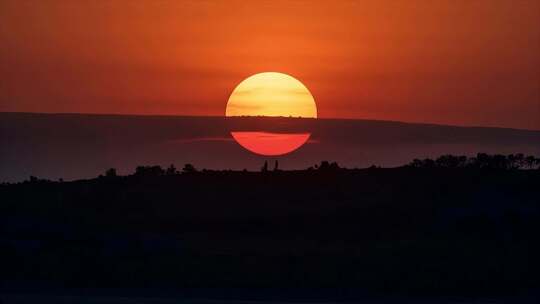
(480, 161)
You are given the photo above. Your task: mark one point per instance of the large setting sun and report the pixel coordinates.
(271, 94)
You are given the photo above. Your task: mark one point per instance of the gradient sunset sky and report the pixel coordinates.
(441, 61)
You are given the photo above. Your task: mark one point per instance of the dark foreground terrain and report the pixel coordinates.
(325, 234)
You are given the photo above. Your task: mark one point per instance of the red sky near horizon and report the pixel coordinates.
(446, 61)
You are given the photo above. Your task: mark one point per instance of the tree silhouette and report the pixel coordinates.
(515, 161)
(416, 163)
(451, 161)
(189, 168)
(327, 166)
(110, 173)
(499, 161)
(171, 170)
(149, 171)
(530, 161)
(482, 160)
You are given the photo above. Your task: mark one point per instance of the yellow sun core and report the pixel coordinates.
(271, 94)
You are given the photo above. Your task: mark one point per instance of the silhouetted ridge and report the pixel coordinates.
(79, 146)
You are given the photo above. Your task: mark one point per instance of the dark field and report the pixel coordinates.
(332, 234)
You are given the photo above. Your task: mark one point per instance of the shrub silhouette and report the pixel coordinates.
(327, 166)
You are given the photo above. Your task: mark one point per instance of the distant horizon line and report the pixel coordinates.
(263, 116)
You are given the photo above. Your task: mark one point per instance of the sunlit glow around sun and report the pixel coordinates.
(271, 94)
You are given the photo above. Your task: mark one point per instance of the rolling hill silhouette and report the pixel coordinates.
(73, 146)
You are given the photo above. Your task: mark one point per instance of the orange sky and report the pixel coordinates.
(442, 61)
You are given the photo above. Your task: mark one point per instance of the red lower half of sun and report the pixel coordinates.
(270, 144)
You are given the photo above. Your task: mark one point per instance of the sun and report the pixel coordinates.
(271, 94)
